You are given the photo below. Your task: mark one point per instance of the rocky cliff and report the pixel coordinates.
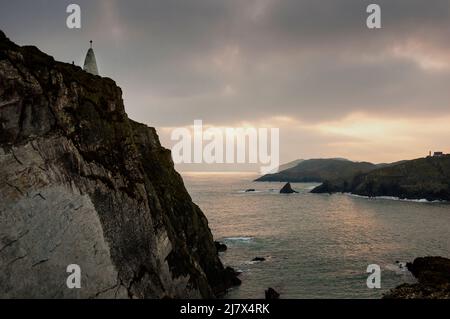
(81, 183)
(423, 178)
(433, 276)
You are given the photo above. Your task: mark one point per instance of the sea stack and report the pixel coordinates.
(90, 63)
(287, 189)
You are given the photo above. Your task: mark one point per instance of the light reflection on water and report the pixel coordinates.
(316, 246)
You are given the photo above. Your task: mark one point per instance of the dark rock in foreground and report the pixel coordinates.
(287, 189)
(81, 183)
(433, 275)
(271, 294)
(231, 277)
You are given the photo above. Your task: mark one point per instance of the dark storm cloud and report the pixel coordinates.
(231, 60)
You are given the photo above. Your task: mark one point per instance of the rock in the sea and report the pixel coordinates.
(250, 190)
(287, 189)
(81, 183)
(220, 247)
(272, 294)
(231, 277)
(433, 276)
(259, 259)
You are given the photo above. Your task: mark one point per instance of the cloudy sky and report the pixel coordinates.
(311, 68)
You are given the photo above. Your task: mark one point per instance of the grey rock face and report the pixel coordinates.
(80, 183)
(46, 226)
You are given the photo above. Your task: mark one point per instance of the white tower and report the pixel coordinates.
(90, 64)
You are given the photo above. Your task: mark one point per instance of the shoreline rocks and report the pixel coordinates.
(220, 247)
(231, 277)
(433, 276)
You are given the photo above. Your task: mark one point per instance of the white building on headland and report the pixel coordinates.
(437, 154)
(90, 63)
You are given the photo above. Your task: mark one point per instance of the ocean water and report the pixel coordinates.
(315, 245)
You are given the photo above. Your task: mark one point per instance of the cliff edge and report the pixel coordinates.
(81, 183)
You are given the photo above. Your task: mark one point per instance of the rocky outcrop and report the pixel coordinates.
(271, 294)
(231, 277)
(220, 247)
(423, 178)
(287, 189)
(433, 275)
(81, 183)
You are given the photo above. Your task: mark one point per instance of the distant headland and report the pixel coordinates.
(424, 178)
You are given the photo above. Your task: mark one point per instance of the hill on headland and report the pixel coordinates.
(318, 171)
(424, 178)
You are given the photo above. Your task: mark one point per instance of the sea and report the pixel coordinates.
(316, 245)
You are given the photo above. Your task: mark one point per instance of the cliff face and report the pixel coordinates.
(80, 183)
(424, 178)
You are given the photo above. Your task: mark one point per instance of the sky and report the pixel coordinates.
(311, 68)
